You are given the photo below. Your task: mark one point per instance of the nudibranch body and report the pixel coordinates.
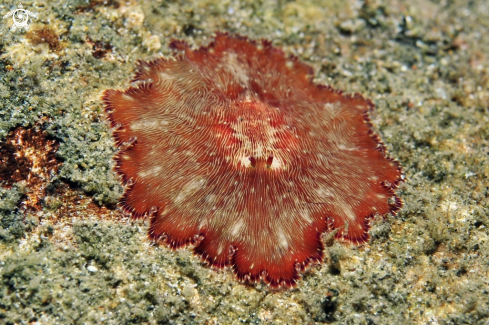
(233, 149)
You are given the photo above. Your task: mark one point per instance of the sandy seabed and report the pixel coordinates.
(68, 255)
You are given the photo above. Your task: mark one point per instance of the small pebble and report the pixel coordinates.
(92, 269)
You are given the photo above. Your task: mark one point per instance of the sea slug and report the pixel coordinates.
(231, 148)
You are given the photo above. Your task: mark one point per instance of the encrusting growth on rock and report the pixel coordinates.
(233, 149)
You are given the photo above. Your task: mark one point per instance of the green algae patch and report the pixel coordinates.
(11, 222)
(91, 282)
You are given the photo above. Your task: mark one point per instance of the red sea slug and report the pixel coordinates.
(231, 148)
